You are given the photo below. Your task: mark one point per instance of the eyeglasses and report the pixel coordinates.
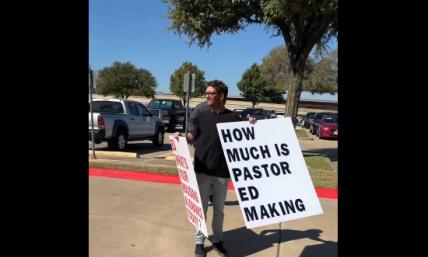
(210, 93)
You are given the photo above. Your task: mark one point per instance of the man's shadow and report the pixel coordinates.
(242, 242)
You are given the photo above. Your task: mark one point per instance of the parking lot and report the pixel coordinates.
(151, 155)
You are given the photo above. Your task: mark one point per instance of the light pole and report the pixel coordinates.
(91, 86)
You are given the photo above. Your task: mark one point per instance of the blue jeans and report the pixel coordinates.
(218, 188)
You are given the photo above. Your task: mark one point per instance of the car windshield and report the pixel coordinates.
(331, 120)
(319, 116)
(160, 104)
(253, 112)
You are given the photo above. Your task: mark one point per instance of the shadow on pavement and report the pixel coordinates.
(142, 147)
(328, 248)
(231, 203)
(331, 153)
(242, 242)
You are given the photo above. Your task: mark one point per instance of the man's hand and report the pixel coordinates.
(252, 120)
(176, 135)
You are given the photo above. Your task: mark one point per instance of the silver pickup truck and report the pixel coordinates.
(119, 121)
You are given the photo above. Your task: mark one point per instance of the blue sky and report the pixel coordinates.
(134, 31)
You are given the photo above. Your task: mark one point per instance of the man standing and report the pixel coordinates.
(191, 127)
(210, 164)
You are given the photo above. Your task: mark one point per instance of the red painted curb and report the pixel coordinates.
(175, 179)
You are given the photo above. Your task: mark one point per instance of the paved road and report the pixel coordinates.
(134, 218)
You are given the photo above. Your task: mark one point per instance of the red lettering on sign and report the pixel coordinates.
(172, 144)
(183, 175)
(192, 206)
(193, 218)
(190, 192)
(181, 161)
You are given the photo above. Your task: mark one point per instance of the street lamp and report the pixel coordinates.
(91, 86)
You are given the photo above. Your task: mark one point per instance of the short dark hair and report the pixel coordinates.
(219, 86)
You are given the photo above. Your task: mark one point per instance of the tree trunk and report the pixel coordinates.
(253, 104)
(295, 90)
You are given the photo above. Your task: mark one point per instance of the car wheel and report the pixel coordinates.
(159, 138)
(120, 142)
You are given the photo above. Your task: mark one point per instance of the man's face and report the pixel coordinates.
(213, 96)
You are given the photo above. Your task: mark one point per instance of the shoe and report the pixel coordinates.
(219, 248)
(200, 251)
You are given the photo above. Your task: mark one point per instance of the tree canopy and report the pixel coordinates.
(177, 81)
(303, 24)
(124, 79)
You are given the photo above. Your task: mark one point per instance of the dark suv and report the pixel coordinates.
(257, 113)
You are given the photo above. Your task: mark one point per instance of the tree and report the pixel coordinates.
(324, 76)
(124, 79)
(252, 85)
(303, 24)
(275, 70)
(177, 80)
(117, 80)
(146, 84)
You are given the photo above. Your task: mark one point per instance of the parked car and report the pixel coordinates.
(254, 112)
(267, 115)
(238, 111)
(170, 111)
(306, 122)
(309, 120)
(280, 115)
(119, 121)
(328, 127)
(314, 124)
(272, 113)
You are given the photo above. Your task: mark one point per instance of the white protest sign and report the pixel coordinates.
(189, 184)
(268, 171)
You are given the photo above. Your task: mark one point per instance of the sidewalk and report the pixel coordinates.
(134, 218)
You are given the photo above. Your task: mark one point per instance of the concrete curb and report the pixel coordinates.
(117, 154)
(172, 158)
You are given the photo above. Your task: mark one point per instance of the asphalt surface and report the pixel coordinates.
(151, 155)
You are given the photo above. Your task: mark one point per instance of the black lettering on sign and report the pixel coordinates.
(236, 173)
(273, 168)
(265, 152)
(300, 205)
(254, 193)
(238, 134)
(284, 151)
(253, 213)
(284, 167)
(235, 154)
